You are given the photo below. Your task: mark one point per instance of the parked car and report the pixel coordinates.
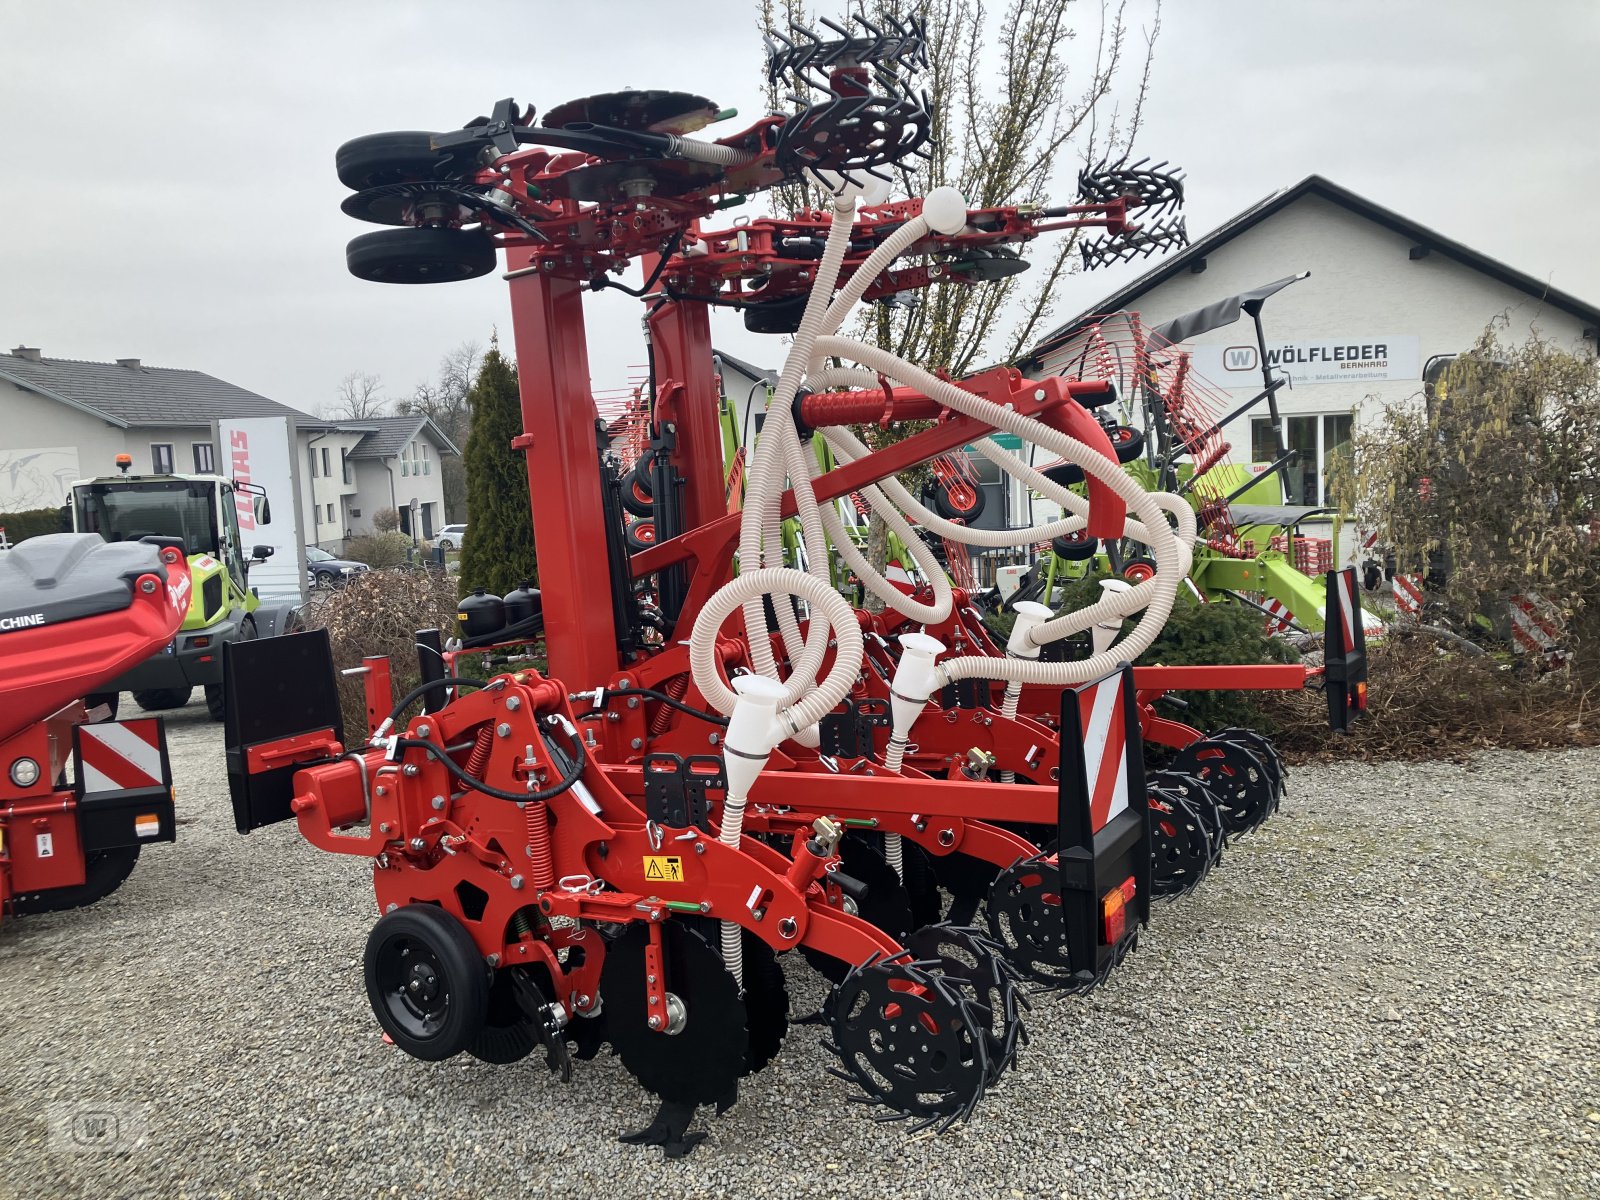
(324, 570)
(451, 537)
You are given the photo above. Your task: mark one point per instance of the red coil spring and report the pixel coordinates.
(677, 687)
(543, 859)
(479, 759)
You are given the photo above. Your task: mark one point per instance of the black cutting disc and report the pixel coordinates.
(702, 1062)
(419, 204)
(629, 178)
(766, 1002)
(654, 111)
(910, 1040)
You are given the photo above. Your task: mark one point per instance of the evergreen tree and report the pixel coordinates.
(498, 553)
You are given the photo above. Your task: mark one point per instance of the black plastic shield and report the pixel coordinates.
(1093, 861)
(1344, 651)
(275, 688)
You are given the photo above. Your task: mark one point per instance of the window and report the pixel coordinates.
(204, 462)
(161, 458)
(326, 469)
(330, 507)
(311, 453)
(344, 465)
(1319, 440)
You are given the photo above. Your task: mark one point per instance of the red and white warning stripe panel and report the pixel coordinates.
(121, 756)
(1105, 749)
(1536, 626)
(1278, 617)
(1408, 595)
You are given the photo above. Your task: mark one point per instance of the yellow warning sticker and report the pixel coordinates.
(662, 868)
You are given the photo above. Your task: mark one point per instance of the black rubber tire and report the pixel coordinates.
(161, 699)
(421, 255)
(109, 699)
(103, 873)
(1065, 474)
(443, 943)
(216, 704)
(1128, 442)
(637, 495)
(1078, 547)
(403, 156)
(641, 534)
(946, 507)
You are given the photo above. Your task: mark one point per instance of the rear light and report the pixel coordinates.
(199, 643)
(1361, 697)
(1113, 917)
(24, 772)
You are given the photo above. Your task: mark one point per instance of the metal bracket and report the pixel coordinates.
(676, 787)
(848, 734)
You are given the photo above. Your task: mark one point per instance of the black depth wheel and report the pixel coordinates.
(1236, 776)
(421, 255)
(426, 981)
(399, 157)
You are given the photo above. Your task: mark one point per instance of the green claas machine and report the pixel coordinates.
(201, 514)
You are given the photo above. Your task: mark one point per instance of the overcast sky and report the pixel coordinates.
(167, 188)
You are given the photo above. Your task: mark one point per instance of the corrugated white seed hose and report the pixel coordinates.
(1157, 599)
(1029, 615)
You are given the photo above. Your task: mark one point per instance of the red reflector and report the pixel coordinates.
(1129, 889)
(205, 658)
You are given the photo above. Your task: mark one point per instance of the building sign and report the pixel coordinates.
(260, 450)
(1364, 359)
(37, 477)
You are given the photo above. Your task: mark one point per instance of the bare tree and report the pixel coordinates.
(444, 400)
(360, 398)
(1018, 102)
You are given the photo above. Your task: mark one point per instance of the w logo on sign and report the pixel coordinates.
(1240, 358)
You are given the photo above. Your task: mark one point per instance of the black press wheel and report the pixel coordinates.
(421, 255)
(426, 981)
(160, 699)
(399, 157)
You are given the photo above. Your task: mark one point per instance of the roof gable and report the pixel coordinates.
(138, 395)
(1316, 185)
(387, 436)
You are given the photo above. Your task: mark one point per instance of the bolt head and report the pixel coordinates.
(503, 729)
(513, 703)
(516, 883)
(655, 1021)
(424, 730)
(438, 803)
(147, 586)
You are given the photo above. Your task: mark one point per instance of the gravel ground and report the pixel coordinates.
(1390, 990)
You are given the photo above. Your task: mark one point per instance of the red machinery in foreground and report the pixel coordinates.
(617, 846)
(74, 613)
